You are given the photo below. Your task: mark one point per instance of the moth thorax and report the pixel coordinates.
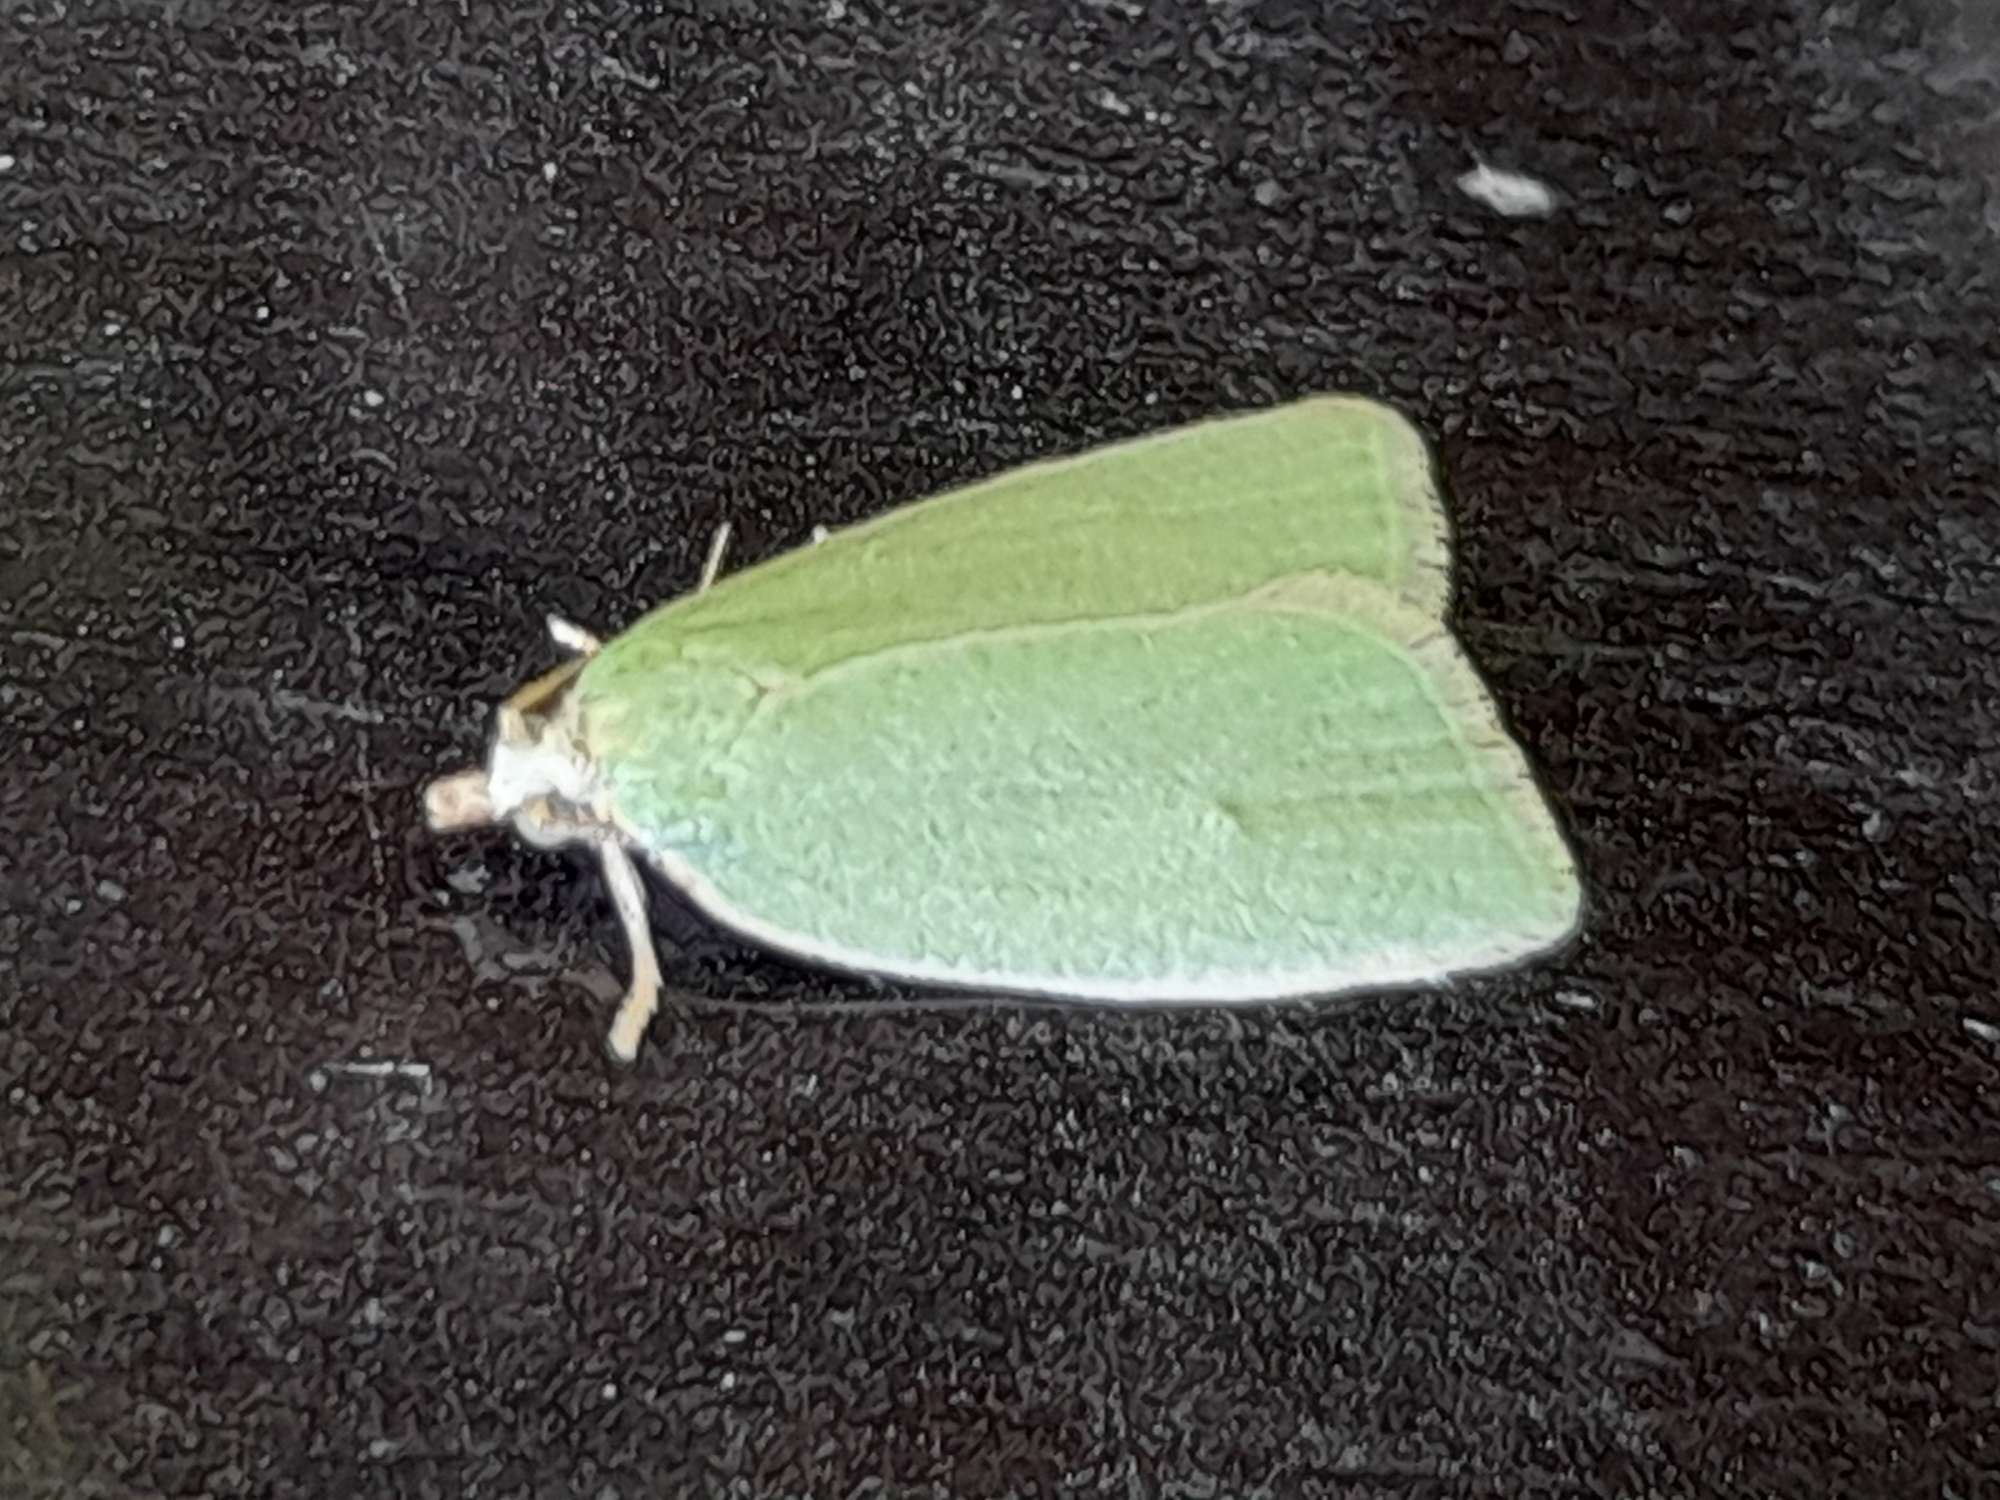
(539, 763)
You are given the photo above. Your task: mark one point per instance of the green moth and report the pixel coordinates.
(1176, 719)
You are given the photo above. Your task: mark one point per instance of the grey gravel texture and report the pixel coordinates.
(339, 343)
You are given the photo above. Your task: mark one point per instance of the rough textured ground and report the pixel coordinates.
(338, 343)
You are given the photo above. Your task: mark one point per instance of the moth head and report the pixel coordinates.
(535, 755)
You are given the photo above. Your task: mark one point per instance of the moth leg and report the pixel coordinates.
(573, 637)
(643, 998)
(458, 801)
(716, 547)
(542, 824)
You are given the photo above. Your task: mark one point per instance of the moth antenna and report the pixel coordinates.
(717, 545)
(573, 637)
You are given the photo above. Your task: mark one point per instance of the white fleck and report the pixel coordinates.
(112, 328)
(1985, 1031)
(7, 162)
(729, 1382)
(287, 701)
(419, 1071)
(1576, 999)
(836, 11)
(820, 534)
(111, 890)
(548, 171)
(1112, 102)
(262, 313)
(372, 397)
(611, 67)
(734, 1336)
(609, 1391)
(467, 882)
(1016, 393)
(1510, 193)
(178, 641)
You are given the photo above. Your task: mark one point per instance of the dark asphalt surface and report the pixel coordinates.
(338, 344)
